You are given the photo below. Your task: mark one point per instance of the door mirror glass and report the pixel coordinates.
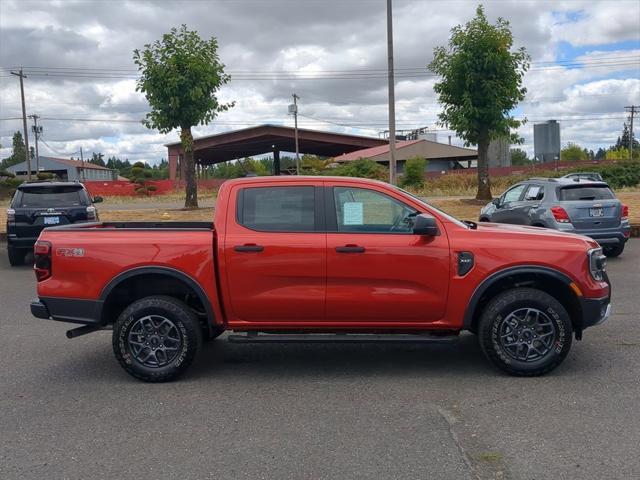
(425, 224)
(98, 199)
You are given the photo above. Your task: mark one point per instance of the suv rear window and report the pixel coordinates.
(586, 192)
(49, 197)
(277, 209)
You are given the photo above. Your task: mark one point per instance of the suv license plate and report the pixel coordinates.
(51, 220)
(596, 212)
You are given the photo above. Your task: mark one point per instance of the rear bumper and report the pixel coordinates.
(21, 242)
(71, 310)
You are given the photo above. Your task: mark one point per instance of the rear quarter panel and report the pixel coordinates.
(108, 253)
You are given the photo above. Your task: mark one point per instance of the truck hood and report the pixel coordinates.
(525, 230)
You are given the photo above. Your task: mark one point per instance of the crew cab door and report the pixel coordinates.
(275, 254)
(377, 269)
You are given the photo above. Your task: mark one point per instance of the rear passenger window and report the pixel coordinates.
(534, 192)
(586, 192)
(277, 209)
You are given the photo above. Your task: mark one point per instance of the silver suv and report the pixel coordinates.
(570, 205)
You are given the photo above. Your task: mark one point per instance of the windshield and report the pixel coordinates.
(50, 197)
(444, 214)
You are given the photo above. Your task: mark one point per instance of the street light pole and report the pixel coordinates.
(392, 101)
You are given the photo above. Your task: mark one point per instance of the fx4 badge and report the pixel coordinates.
(70, 252)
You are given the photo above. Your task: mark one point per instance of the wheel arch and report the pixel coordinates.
(549, 280)
(130, 282)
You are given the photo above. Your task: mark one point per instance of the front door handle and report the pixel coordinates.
(248, 247)
(350, 249)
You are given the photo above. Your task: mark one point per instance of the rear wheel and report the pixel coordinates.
(155, 339)
(16, 256)
(613, 251)
(525, 332)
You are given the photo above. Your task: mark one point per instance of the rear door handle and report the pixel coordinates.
(248, 247)
(350, 249)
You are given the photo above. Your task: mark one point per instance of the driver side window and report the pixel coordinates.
(513, 195)
(367, 211)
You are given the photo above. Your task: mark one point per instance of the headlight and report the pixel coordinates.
(597, 263)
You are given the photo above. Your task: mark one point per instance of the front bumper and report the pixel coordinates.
(595, 311)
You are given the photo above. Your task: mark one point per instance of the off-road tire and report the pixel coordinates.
(613, 251)
(16, 256)
(184, 321)
(516, 300)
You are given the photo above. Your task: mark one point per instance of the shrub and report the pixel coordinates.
(363, 167)
(624, 173)
(45, 176)
(414, 172)
(6, 173)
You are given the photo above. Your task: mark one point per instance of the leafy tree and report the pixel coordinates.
(481, 84)
(19, 153)
(573, 152)
(519, 157)
(623, 141)
(97, 159)
(601, 154)
(180, 76)
(621, 154)
(414, 172)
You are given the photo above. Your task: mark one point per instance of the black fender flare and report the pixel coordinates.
(501, 274)
(167, 271)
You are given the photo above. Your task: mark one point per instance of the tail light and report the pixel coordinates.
(42, 264)
(91, 213)
(11, 215)
(624, 215)
(560, 214)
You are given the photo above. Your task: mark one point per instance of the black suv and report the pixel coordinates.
(37, 205)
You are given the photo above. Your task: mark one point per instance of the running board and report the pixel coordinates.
(253, 337)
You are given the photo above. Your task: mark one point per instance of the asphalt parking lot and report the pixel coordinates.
(67, 410)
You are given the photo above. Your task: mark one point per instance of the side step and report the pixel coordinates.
(253, 337)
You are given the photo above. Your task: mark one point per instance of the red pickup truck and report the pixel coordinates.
(321, 259)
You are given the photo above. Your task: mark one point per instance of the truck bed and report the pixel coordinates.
(134, 226)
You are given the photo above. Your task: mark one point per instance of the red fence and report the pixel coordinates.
(126, 188)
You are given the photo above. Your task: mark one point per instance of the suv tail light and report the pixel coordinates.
(91, 213)
(624, 215)
(42, 264)
(560, 214)
(11, 215)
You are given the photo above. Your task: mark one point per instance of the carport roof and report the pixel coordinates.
(262, 139)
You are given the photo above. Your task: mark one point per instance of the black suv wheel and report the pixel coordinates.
(525, 332)
(16, 256)
(155, 339)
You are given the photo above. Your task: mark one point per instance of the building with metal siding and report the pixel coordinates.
(65, 169)
(546, 141)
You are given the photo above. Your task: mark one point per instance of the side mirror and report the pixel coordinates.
(98, 199)
(425, 224)
(496, 201)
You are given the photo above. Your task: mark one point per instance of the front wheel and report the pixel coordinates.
(155, 339)
(525, 332)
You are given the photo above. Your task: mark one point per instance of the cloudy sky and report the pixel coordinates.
(81, 78)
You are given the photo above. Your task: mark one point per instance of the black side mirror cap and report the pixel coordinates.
(425, 224)
(496, 201)
(98, 199)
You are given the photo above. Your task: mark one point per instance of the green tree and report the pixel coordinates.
(573, 152)
(414, 172)
(519, 157)
(623, 140)
(97, 159)
(18, 154)
(363, 167)
(180, 76)
(481, 84)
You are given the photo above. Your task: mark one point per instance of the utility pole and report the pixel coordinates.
(82, 168)
(37, 130)
(295, 119)
(24, 122)
(632, 109)
(392, 99)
